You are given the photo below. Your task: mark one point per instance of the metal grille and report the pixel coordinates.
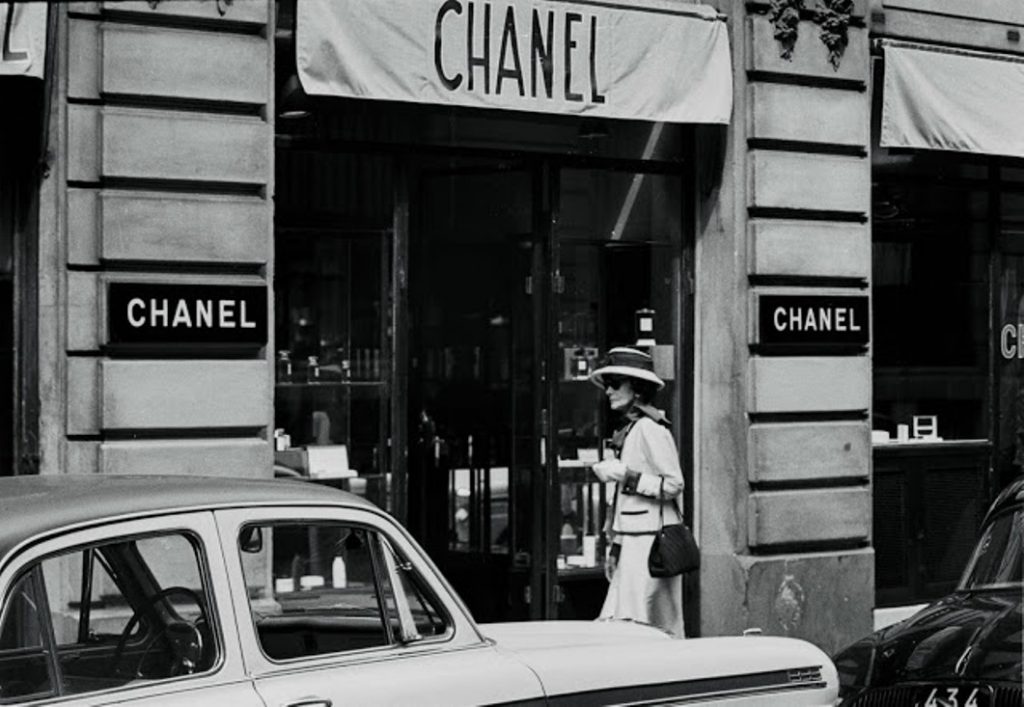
(886, 697)
(890, 530)
(804, 675)
(1009, 697)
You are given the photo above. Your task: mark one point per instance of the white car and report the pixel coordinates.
(188, 591)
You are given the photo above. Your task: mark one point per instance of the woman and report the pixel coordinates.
(649, 482)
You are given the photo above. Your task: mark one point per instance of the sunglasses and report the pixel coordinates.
(613, 382)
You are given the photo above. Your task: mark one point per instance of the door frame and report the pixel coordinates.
(546, 169)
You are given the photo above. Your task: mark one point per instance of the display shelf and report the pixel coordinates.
(581, 573)
(332, 366)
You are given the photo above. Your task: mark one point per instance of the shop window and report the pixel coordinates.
(20, 135)
(948, 365)
(1009, 322)
(333, 332)
(930, 282)
(948, 294)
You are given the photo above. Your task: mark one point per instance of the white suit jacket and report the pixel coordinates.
(650, 450)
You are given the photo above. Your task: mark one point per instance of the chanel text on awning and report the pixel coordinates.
(566, 40)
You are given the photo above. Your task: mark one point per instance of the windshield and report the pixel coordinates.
(998, 556)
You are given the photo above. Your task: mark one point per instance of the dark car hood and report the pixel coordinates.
(966, 635)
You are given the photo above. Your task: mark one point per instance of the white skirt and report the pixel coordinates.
(637, 596)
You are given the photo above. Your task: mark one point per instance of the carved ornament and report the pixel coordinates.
(785, 19)
(834, 18)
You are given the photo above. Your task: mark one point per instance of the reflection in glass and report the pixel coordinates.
(619, 253)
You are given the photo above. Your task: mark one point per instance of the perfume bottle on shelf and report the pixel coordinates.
(284, 366)
(312, 370)
(344, 364)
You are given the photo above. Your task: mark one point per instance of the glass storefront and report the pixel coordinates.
(21, 132)
(948, 261)
(332, 289)
(445, 280)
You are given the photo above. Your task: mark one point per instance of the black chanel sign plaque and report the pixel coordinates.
(813, 320)
(186, 315)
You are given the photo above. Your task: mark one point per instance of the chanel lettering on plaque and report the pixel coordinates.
(813, 320)
(186, 315)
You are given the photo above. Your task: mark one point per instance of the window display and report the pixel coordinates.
(619, 250)
(332, 401)
(947, 307)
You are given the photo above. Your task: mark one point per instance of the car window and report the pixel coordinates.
(323, 587)
(24, 663)
(129, 611)
(999, 553)
(315, 588)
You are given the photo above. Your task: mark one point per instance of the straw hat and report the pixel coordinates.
(626, 361)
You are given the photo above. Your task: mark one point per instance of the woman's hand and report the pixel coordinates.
(610, 563)
(610, 470)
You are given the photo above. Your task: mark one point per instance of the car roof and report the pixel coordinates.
(33, 506)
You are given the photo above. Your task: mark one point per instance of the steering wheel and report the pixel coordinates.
(185, 639)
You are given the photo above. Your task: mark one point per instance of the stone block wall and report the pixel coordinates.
(162, 142)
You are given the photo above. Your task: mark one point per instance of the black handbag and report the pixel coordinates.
(674, 550)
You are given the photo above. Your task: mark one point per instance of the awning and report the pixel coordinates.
(951, 99)
(653, 60)
(22, 39)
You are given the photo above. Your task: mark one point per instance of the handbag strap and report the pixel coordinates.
(661, 503)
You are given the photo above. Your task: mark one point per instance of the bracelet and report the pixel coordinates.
(630, 482)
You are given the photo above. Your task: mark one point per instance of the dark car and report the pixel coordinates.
(963, 650)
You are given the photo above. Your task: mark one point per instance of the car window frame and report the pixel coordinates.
(394, 560)
(462, 633)
(34, 575)
(228, 667)
(962, 585)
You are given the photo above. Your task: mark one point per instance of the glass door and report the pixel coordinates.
(618, 267)
(522, 276)
(476, 256)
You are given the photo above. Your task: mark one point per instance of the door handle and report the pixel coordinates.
(309, 702)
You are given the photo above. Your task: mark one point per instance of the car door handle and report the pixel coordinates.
(310, 702)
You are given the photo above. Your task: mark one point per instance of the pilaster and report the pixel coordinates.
(784, 436)
(163, 147)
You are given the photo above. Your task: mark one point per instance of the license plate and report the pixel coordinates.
(953, 696)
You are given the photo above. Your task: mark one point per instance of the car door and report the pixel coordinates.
(344, 609)
(133, 612)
